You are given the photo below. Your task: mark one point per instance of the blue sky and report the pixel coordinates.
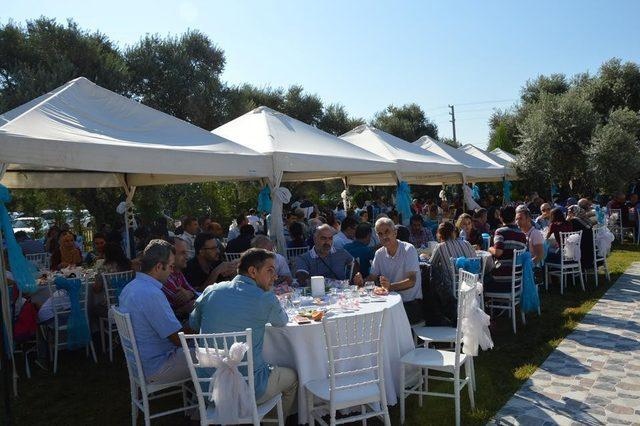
(367, 55)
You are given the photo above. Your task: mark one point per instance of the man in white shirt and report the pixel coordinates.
(396, 267)
(347, 233)
(254, 220)
(283, 272)
(535, 239)
(190, 230)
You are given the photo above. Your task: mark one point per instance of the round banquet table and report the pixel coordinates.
(302, 347)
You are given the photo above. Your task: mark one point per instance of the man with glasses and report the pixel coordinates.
(206, 268)
(154, 324)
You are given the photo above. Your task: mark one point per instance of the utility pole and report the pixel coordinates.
(453, 121)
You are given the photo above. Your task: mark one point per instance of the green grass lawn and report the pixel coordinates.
(85, 393)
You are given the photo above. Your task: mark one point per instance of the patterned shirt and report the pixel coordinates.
(175, 281)
(508, 238)
(421, 238)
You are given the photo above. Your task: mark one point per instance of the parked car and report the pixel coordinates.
(36, 227)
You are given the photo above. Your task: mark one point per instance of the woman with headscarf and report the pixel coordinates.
(67, 254)
(580, 221)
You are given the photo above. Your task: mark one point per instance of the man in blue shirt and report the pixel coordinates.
(248, 302)
(360, 248)
(155, 326)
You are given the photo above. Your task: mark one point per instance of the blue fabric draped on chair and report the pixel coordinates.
(264, 200)
(599, 214)
(403, 202)
(529, 301)
(22, 270)
(78, 335)
(469, 264)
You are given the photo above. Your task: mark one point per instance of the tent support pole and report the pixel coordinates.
(345, 200)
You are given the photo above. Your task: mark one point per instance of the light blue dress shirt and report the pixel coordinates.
(152, 319)
(235, 306)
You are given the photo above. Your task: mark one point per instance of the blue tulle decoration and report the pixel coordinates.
(469, 264)
(529, 301)
(78, 335)
(476, 191)
(403, 202)
(506, 191)
(264, 200)
(23, 271)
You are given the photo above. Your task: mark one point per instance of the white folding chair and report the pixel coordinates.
(568, 266)
(42, 261)
(232, 256)
(292, 253)
(107, 325)
(599, 259)
(508, 301)
(61, 316)
(454, 274)
(616, 226)
(356, 371)
(218, 344)
(444, 361)
(141, 391)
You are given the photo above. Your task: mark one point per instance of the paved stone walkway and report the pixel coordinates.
(593, 377)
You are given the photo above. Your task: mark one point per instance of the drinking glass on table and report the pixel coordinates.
(369, 286)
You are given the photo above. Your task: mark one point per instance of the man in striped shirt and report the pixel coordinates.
(506, 239)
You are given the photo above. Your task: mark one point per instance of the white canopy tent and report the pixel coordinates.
(509, 171)
(81, 135)
(413, 164)
(299, 152)
(476, 170)
(504, 155)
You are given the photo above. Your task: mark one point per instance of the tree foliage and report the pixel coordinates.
(408, 122)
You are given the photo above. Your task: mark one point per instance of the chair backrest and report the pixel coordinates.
(614, 218)
(232, 256)
(113, 282)
(564, 240)
(129, 347)
(294, 252)
(201, 371)
(354, 349)
(42, 261)
(470, 278)
(57, 298)
(516, 272)
(455, 274)
(596, 251)
(468, 292)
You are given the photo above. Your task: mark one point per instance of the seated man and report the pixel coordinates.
(590, 213)
(180, 294)
(506, 239)
(480, 221)
(283, 273)
(419, 235)
(347, 233)
(360, 248)
(234, 228)
(243, 242)
(396, 267)
(535, 239)
(223, 307)
(154, 323)
(323, 259)
(206, 268)
(190, 229)
(544, 220)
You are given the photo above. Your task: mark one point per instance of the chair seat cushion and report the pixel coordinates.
(432, 358)
(436, 334)
(350, 396)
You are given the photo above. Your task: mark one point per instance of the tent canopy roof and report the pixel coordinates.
(504, 155)
(82, 127)
(297, 147)
(475, 168)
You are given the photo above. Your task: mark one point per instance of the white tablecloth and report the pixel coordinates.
(302, 347)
